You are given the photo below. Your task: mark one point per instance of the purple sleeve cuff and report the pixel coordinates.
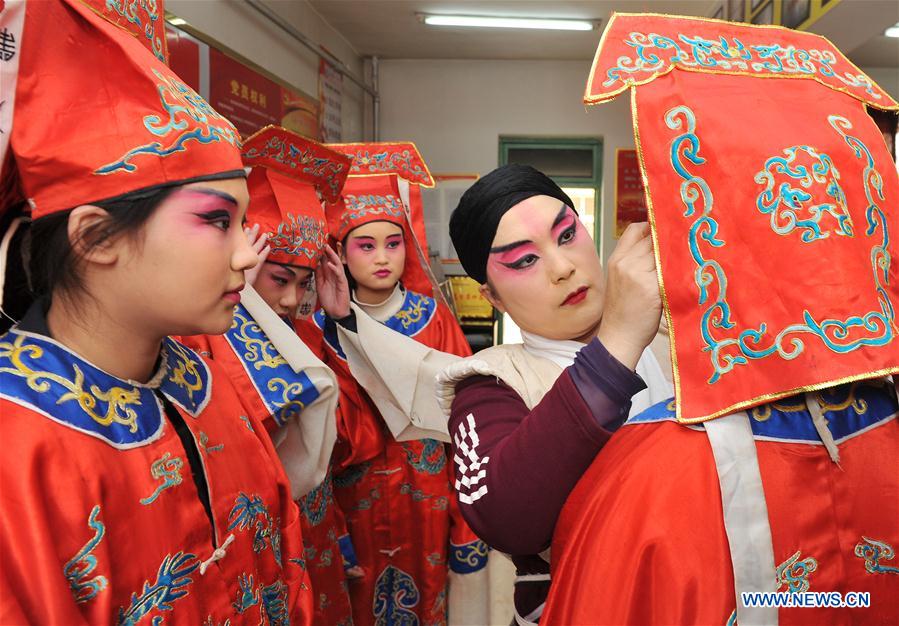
(605, 384)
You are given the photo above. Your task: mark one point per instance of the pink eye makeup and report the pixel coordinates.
(395, 242)
(565, 226)
(514, 257)
(211, 206)
(361, 244)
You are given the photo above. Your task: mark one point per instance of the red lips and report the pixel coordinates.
(382, 273)
(576, 297)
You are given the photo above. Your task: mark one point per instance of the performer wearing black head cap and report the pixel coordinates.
(527, 419)
(474, 222)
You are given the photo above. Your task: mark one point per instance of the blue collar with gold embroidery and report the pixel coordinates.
(284, 391)
(414, 315)
(38, 373)
(849, 409)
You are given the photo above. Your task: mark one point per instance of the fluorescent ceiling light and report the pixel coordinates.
(507, 22)
(892, 31)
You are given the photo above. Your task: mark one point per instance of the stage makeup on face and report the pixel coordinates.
(543, 270)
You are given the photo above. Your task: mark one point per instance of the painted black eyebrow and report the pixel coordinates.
(510, 246)
(560, 216)
(284, 266)
(227, 197)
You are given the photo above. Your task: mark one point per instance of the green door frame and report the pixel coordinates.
(595, 182)
(561, 143)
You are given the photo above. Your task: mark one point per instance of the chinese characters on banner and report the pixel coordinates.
(330, 94)
(470, 304)
(243, 95)
(10, 37)
(630, 203)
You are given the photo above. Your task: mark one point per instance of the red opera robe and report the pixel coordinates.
(397, 496)
(274, 392)
(642, 540)
(102, 519)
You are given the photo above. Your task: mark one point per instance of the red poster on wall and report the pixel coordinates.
(630, 202)
(248, 98)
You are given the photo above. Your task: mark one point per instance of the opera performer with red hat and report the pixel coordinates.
(136, 485)
(287, 386)
(392, 478)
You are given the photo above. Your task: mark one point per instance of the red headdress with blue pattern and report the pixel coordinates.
(95, 111)
(291, 176)
(385, 186)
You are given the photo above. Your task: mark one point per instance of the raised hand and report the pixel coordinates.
(260, 246)
(633, 306)
(331, 285)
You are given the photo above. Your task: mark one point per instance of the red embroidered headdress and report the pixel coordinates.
(291, 176)
(95, 115)
(772, 199)
(143, 19)
(385, 185)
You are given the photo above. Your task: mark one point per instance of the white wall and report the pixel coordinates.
(455, 111)
(238, 26)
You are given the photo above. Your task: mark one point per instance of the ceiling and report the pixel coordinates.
(391, 28)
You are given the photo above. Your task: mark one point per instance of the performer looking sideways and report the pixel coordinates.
(135, 487)
(291, 391)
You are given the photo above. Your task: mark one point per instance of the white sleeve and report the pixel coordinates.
(305, 442)
(399, 375)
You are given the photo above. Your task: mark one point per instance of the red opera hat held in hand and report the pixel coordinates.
(144, 20)
(290, 177)
(772, 199)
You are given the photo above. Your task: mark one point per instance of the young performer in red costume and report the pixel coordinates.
(394, 487)
(285, 384)
(136, 486)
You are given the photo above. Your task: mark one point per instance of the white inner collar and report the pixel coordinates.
(383, 311)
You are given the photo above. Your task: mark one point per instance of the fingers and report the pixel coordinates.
(330, 269)
(634, 252)
(251, 233)
(641, 257)
(263, 254)
(331, 255)
(261, 244)
(632, 235)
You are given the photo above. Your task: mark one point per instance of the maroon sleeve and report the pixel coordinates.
(514, 468)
